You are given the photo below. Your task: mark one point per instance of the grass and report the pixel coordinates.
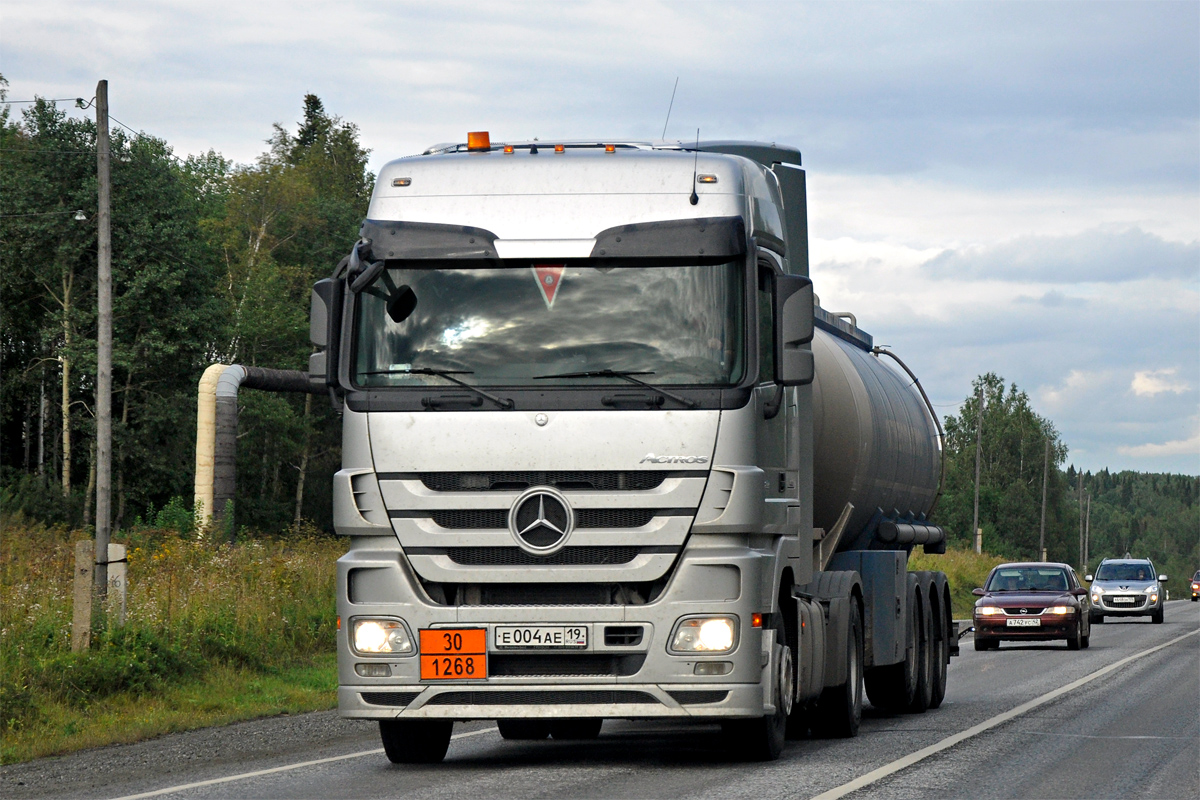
(215, 632)
(223, 695)
(965, 571)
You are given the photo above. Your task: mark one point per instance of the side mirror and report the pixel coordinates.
(978, 592)
(324, 330)
(793, 330)
(1089, 578)
(1162, 578)
(1079, 591)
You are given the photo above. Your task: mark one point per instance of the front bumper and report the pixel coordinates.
(1050, 627)
(1140, 607)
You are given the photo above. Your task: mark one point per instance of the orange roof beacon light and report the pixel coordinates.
(508, 149)
(610, 148)
(479, 140)
(558, 148)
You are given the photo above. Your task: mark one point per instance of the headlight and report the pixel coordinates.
(988, 611)
(1097, 590)
(381, 636)
(705, 635)
(1151, 590)
(1060, 610)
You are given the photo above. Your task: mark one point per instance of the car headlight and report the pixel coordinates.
(381, 636)
(1097, 590)
(1151, 590)
(988, 611)
(704, 635)
(1060, 610)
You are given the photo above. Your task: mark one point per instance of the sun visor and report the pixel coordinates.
(425, 240)
(708, 237)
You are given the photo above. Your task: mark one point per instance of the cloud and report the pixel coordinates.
(1150, 382)
(1180, 447)
(1100, 255)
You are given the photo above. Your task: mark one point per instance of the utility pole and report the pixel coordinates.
(1079, 474)
(1045, 481)
(978, 446)
(103, 346)
(1087, 534)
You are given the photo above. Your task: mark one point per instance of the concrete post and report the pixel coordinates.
(81, 618)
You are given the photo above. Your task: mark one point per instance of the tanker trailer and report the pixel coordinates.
(603, 456)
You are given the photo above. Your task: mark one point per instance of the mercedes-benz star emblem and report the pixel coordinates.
(541, 520)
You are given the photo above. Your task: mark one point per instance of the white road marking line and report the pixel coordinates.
(950, 741)
(286, 768)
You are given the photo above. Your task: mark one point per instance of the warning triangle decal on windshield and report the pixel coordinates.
(549, 276)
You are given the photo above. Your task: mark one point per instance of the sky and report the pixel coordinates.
(1007, 187)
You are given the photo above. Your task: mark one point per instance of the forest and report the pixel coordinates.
(213, 263)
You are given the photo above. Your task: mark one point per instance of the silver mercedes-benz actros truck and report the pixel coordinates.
(605, 457)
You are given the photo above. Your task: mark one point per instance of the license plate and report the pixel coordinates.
(537, 636)
(453, 654)
(1024, 623)
(1128, 600)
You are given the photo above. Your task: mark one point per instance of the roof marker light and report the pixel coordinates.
(401, 181)
(479, 140)
(610, 148)
(706, 179)
(508, 149)
(558, 148)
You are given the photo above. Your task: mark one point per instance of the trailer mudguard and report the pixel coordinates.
(885, 601)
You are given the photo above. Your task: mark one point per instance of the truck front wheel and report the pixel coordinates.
(523, 729)
(415, 741)
(763, 739)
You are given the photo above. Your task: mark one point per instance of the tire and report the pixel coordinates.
(839, 709)
(923, 696)
(892, 688)
(575, 729)
(982, 644)
(1075, 640)
(763, 739)
(1085, 641)
(1097, 619)
(941, 660)
(1157, 617)
(523, 729)
(415, 741)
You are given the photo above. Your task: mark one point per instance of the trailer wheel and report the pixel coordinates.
(941, 659)
(575, 729)
(415, 741)
(839, 709)
(763, 739)
(923, 695)
(523, 729)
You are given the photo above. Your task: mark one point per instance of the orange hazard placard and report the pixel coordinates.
(453, 654)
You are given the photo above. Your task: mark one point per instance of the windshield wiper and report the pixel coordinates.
(448, 374)
(624, 375)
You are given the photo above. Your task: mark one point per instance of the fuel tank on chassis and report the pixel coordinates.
(875, 444)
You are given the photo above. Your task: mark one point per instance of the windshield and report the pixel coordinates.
(1125, 572)
(1028, 579)
(680, 325)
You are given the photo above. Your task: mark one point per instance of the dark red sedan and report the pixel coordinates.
(1032, 601)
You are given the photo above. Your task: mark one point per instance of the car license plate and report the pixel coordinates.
(1123, 600)
(1021, 622)
(453, 654)
(537, 636)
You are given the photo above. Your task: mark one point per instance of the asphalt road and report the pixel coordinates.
(1132, 731)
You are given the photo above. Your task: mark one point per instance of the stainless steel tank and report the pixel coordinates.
(875, 443)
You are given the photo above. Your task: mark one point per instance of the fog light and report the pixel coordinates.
(704, 635)
(1153, 598)
(713, 668)
(373, 670)
(381, 636)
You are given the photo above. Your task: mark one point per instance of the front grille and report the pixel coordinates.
(691, 697)
(1110, 601)
(519, 481)
(502, 698)
(564, 665)
(1023, 612)
(516, 557)
(389, 698)
(622, 635)
(497, 518)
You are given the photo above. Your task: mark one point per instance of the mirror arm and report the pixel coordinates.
(772, 406)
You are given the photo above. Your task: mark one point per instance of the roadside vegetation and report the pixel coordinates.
(215, 632)
(964, 570)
